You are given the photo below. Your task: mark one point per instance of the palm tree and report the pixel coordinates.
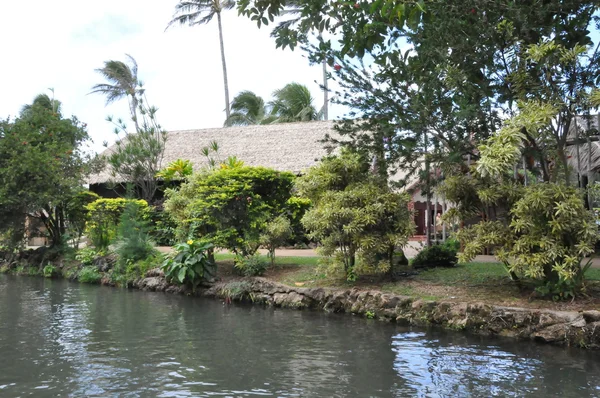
(295, 8)
(248, 109)
(200, 12)
(123, 82)
(294, 103)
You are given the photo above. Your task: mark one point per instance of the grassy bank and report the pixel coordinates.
(484, 282)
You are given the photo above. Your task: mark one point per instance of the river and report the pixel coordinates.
(59, 338)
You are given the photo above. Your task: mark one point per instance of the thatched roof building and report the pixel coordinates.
(286, 147)
(579, 147)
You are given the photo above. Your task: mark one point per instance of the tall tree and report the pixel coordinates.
(122, 82)
(42, 167)
(294, 103)
(248, 109)
(200, 12)
(136, 157)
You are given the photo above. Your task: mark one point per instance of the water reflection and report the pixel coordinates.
(59, 338)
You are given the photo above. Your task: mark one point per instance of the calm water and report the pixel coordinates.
(64, 339)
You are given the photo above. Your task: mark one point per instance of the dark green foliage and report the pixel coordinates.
(89, 274)
(134, 242)
(41, 169)
(295, 208)
(189, 264)
(441, 255)
(77, 215)
(163, 229)
(251, 266)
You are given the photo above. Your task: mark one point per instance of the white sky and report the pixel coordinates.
(60, 43)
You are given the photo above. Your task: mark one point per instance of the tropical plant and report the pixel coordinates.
(293, 103)
(189, 264)
(133, 239)
(354, 214)
(122, 82)
(248, 109)
(545, 237)
(296, 207)
(77, 215)
(136, 158)
(276, 234)
(176, 170)
(200, 12)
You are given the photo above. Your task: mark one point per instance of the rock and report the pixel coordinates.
(591, 316)
(552, 334)
(154, 283)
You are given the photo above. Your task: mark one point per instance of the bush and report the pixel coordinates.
(442, 255)
(295, 208)
(276, 233)
(50, 271)
(189, 264)
(251, 266)
(89, 275)
(133, 240)
(354, 214)
(546, 238)
(229, 207)
(87, 255)
(162, 228)
(104, 216)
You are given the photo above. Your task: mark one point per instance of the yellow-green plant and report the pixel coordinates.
(276, 233)
(104, 216)
(354, 214)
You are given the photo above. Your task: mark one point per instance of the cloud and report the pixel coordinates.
(63, 42)
(105, 30)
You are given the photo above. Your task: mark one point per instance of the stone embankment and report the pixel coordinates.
(580, 329)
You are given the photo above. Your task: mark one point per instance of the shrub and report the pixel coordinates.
(163, 227)
(189, 264)
(547, 236)
(276, 233)
(50, 271)
(133, 240)
(104, 216)
(89, 275)
(354, 214)
(442, 255)
(87, 255)
(251, 266)
(295, 208)
(229, 207)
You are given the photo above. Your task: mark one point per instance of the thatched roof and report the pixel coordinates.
(583, 127)
(286, 147)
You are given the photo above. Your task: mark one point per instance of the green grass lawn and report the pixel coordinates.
(297, 261)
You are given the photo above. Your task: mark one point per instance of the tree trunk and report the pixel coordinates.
(225, 82)
(325, 92)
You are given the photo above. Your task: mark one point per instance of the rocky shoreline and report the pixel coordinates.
(570, 328)
(580, 329)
